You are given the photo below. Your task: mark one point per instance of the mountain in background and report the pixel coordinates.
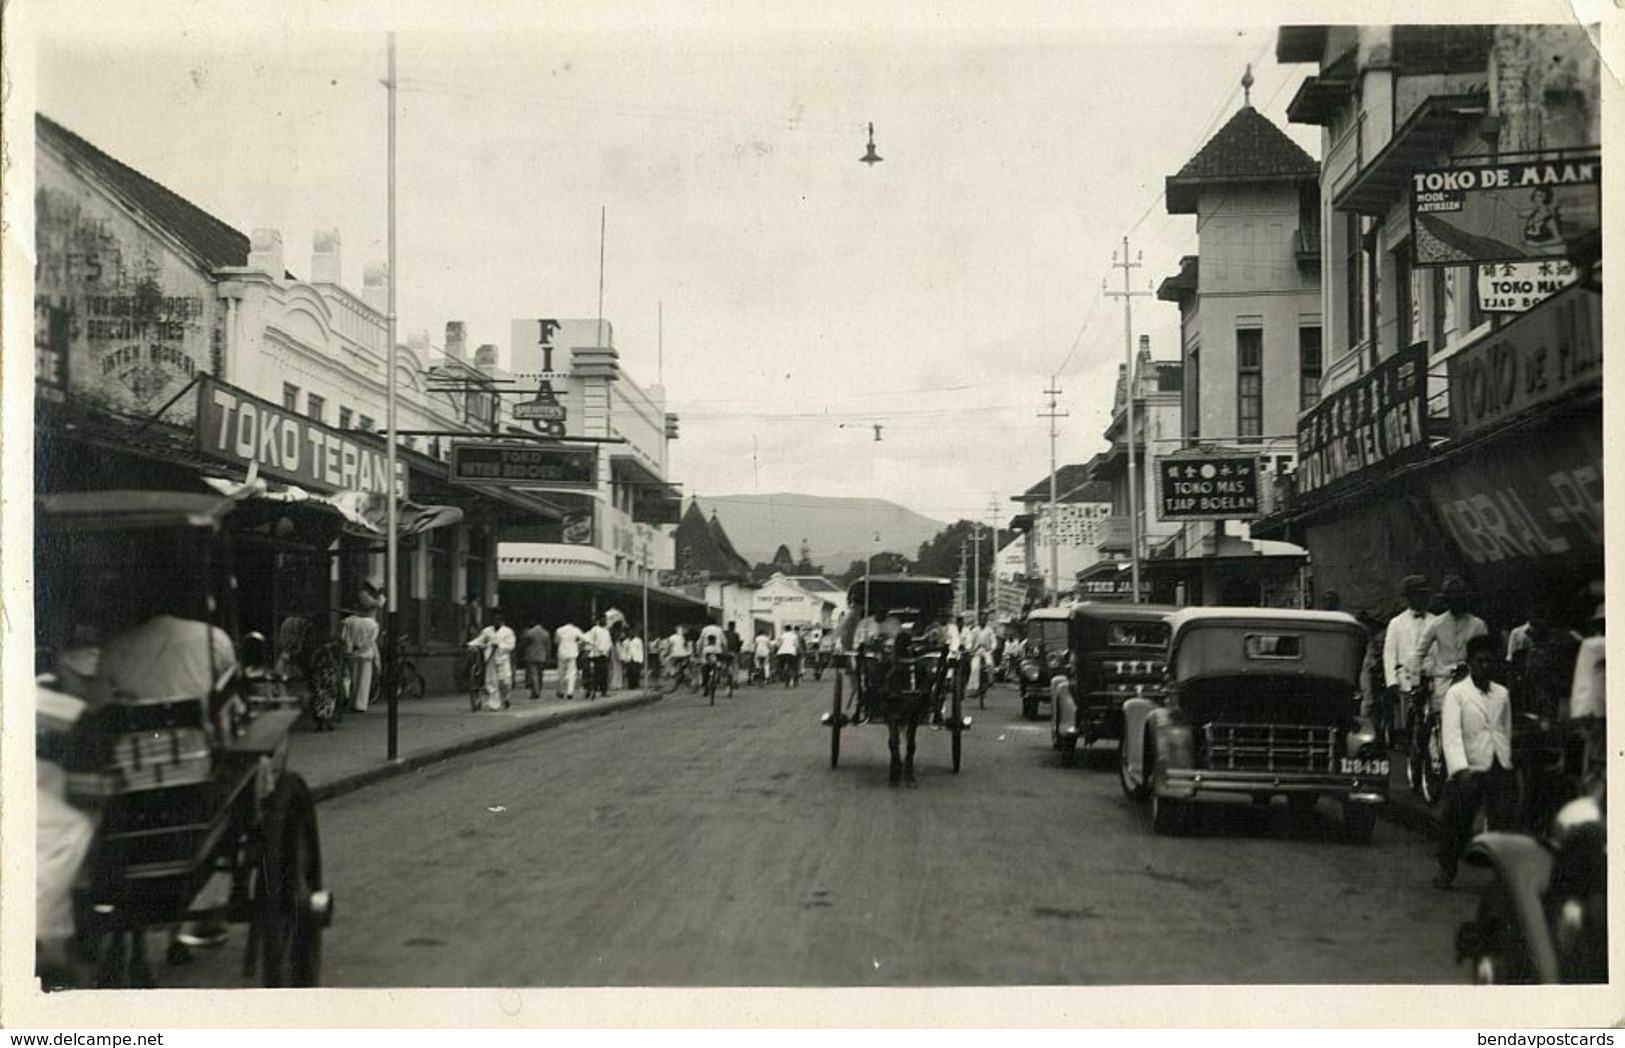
(838, 530)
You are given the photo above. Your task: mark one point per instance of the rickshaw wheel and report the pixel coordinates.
(835, 726)
(290, 875)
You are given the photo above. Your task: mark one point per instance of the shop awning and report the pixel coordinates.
(1430, 133)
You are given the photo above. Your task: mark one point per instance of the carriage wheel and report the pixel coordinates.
(835, 726)
(956, 723)
(293, 909)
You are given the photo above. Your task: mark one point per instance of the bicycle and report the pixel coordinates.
(409, 682)
(717, 666)
(682, 674)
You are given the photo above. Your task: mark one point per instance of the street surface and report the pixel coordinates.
(686, 845)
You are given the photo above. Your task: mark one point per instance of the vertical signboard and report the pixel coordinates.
(1374, 423)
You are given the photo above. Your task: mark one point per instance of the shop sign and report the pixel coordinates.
(1504, 212)
(1513, 287)
(121, 321)
(578, 529)
(518, 465)
(240, 428)
(1374, 422)
(1535, 359)
(656, 507)
(1540, 501)
(544, 412)
(1207, 487)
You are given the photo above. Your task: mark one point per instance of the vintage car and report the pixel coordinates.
(1114, 652)
(1043, 655)
(1259, 702)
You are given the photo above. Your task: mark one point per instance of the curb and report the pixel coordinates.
(354, 781)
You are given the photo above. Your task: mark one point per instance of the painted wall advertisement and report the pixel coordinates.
(234, 426)
(121, 321)
(1378, 420)
(1207, 487)
(1504, 212)
(1531, 361)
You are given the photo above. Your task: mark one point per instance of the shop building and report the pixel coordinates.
(1064, 539)
(803, 601)
(1460, 424)
(713, 572)
(599, 444)
(175, 352)
(1250, 361)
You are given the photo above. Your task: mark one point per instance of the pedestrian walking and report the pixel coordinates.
(632, 659)
(599, 645)
(359, 633)
(567, 642)
(497, 642)
(1476, 725)
(536, 650)
(787, 657)
(763, 650)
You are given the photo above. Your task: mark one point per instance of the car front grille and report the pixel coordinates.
(1270, 747)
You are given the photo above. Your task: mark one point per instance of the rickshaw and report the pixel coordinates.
(182, 788)
(899, 671)
(1114, 652)
(1260, 702)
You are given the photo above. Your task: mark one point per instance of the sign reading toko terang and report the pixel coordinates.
(238, 427)
(1504, 212)
(1207, 487)
(519, 466)
(1376, 421)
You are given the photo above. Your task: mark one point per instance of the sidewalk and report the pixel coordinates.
(429, 730)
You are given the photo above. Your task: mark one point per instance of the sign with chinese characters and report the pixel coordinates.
(1375, 422)
(521, 466)
(1531, 361)
(1207, 487)
(1504, 212)
(236, 427)
(1513, 287)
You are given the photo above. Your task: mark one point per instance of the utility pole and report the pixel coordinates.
(1054, 517)
(964, 584)
(993, 553)
(1128, 405)
(391, 538)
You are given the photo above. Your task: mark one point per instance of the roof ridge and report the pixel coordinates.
(210, 238)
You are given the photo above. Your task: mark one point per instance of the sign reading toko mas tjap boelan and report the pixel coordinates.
(1377, 420)
(1207, 487)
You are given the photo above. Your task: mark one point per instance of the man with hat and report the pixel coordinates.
(1443, 644)
(1400, 669)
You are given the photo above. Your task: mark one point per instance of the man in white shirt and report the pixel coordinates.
(599, 642)
(1587, 708)
(567, 644)
(979, 643)
(1476, 728)
(787, 651)
(1401, 672)
(1442, 644)
(632, 659)
(763, 648)
(497, 641)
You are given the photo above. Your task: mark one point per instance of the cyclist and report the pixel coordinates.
(979, 641)
(677, 655)
(713, 650)
(763, 651)
(787, 652)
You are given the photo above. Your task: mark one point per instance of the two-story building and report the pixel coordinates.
(1250, 348)
(1460, 423)
(175, 352)
(597, 447)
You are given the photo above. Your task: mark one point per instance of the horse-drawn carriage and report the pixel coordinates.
(895, 666)
(177, 794)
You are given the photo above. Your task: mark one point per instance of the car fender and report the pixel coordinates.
(1136, 713)
(1523, 865)
(1060, 695)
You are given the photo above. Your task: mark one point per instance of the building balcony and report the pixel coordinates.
(1116, 535)
(1306, 246)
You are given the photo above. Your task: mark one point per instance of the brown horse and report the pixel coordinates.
(902, 682)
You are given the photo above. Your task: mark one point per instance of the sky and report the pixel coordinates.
(787, 297)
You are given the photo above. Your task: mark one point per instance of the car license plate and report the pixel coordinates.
(1364, 766)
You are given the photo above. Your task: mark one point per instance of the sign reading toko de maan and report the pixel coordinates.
(1207, 487)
